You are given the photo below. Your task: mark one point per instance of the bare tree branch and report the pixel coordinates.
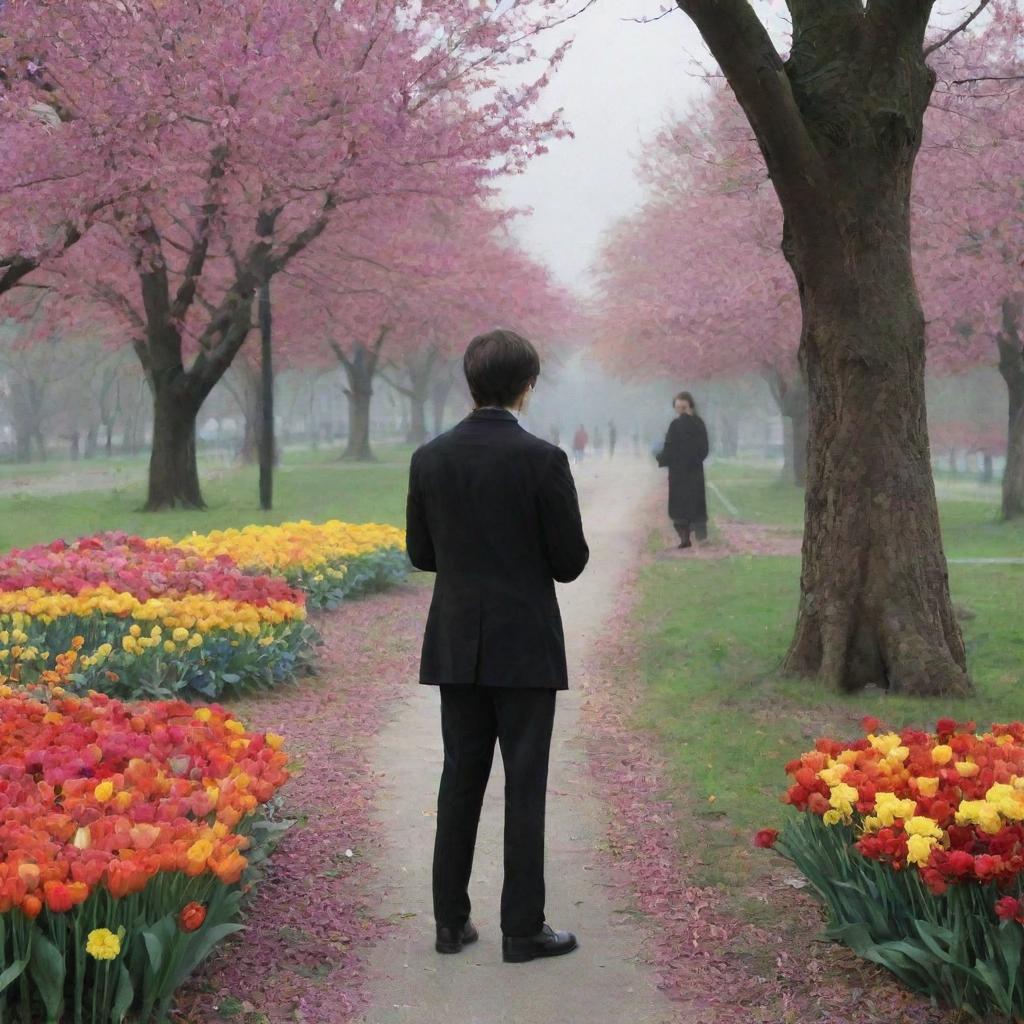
(741, 45)
(952, 34)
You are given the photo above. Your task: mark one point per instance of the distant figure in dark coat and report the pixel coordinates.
(493, 511)
(613, 437)
(683, 454)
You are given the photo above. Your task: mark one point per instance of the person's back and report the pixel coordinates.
(493, 511)
(498, 503)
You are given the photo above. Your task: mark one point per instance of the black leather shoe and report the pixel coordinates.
(547, 942)
(450, 940)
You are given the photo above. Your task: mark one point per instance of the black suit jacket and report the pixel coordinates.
(493, 511)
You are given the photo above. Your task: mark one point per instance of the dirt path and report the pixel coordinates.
(605, 981)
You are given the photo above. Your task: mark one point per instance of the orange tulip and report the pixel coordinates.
(31, 906)
(229, 868)
(61, 897)
(192, 917)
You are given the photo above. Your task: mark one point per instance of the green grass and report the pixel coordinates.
(307, 485)
(970, 528)
(714, 634)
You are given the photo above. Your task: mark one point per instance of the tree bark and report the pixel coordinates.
(267, 440)
(420, 369)
(875, 605)
(1011, 366)
(173, 471)
(360, 370)
(360, 397)
(840, 125)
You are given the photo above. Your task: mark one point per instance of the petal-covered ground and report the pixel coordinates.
(701, 952)
(307, 922)
(734, 538)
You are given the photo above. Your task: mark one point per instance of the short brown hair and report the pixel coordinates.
(686, 397)
(499, 366)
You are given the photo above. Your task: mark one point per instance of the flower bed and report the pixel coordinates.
(215, 613)
(915, 843)
(147, 620)
(328, 561)
(125, 833)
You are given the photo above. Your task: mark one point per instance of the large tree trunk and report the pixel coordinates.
(173, 471)
(875, 607)
(1011, 366)
(840, 124)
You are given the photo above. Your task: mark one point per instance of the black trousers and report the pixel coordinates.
(472, 719)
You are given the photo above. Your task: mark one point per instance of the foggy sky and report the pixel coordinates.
(618, 84)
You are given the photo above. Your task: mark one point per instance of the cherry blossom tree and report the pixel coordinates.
(969, 221)
(200, 147)
(402, 295)
(712, 210)
(490, 283)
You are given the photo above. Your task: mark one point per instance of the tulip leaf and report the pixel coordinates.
(1011, 945)
(12, 973)
(996, 983)
(47, 970)
(199, 949)
(155, 949)
(123, 996)
(939, 940)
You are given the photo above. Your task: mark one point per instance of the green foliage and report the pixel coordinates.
(327, 587)
(950, 947)
(226, 664)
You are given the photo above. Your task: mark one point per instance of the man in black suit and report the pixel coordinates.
(493, 511)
